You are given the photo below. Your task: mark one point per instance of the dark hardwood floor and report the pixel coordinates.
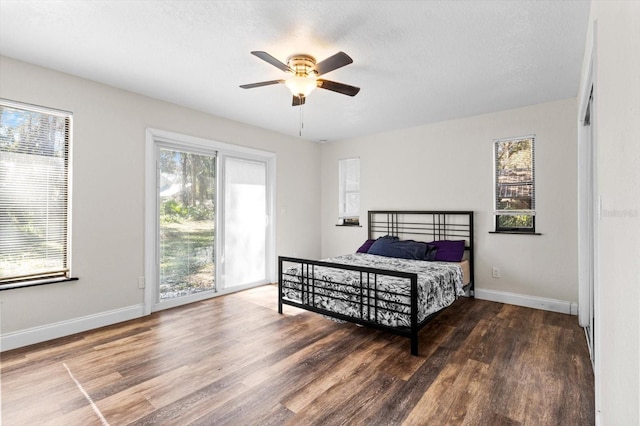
(234, 360)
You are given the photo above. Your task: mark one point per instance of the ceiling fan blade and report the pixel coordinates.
(273, 61)
(298, 100)
(262, 83)
(345, 89)
(334, 62)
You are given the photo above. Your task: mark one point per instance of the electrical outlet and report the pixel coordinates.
(495, 272)
(141, 282)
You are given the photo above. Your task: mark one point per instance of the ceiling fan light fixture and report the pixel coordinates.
(301, 86)
(304, 73)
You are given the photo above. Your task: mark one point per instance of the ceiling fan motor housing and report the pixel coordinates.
(302, 64)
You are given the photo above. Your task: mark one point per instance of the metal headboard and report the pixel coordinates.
(425, 226)
(422, 225)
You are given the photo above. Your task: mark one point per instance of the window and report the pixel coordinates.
(349, 191)
(514, 161)
(34, 194)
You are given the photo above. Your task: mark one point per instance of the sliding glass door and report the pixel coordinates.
(186, 218)
(208, 227)
(245, 221)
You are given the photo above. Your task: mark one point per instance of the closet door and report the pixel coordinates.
(587, 230)
(591, 230)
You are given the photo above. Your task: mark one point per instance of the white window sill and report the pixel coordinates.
(33, 283)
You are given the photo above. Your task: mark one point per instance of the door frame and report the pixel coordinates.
(156, 137)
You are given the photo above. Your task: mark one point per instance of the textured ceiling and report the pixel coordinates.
(416, 62)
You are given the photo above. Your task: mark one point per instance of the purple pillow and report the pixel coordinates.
(366, 246)
(449, 251)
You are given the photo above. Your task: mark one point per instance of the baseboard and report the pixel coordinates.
(545, 304)
(18, 339)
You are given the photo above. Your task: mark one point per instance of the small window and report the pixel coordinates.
(515, 200)
(349, 191)
(34, 194)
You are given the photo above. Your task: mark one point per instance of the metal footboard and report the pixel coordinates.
(316, 293)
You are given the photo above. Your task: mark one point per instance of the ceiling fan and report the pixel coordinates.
(305, 72)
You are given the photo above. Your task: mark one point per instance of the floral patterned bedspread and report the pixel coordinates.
(340, 290)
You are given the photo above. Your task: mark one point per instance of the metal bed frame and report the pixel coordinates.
(418, 225)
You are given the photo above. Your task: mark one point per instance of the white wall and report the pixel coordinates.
(617, 121)
(108, 193)
(449, 165)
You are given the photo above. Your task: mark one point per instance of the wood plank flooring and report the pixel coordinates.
(234, 360)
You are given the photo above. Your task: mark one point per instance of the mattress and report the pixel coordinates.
(466, 272)
(340, 291)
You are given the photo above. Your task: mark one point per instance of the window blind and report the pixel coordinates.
(349, 187)
(34, 192)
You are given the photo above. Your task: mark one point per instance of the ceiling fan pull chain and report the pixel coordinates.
(301, 119)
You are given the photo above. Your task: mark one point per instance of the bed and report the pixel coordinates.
(399, 295)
